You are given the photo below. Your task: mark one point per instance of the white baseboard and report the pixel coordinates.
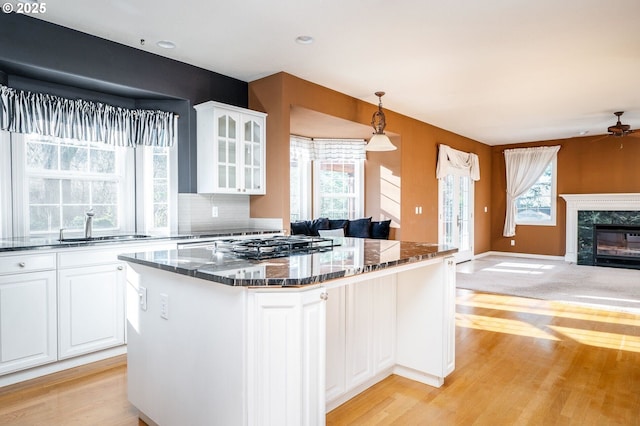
(511, 254)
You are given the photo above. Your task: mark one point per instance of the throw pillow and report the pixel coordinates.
(317, 224)
(380, 230)
(330, 233)
(300, 227)
(339, 223)
(359, 228)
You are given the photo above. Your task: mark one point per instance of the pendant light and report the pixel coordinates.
(379, 141)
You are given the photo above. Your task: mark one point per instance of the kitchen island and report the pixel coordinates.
(214, 338)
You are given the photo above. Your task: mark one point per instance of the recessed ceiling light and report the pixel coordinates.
(166, 44)
(304, 39)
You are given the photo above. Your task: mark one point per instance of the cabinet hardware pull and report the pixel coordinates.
(120, 268)
(22, 264)
(324, 296)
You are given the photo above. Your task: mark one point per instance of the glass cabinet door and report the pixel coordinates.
(227, 146)
(253, 155)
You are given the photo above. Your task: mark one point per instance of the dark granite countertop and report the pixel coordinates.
(48, 243)
(353, 256)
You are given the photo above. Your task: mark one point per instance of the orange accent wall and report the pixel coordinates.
(412, 167)
(586, 165)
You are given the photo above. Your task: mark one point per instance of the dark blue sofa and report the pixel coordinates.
(361, 228)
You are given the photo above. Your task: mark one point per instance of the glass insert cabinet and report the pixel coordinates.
(231, 149)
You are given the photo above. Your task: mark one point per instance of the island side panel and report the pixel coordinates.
(426, 322)
(191, 365)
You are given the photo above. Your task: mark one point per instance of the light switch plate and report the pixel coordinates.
(142, 294)
(164, 306)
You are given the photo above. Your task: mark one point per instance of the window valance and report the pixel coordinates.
(328, 149)
(452, 161)
(49, 115)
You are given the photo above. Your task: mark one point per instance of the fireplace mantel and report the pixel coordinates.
(577, 202)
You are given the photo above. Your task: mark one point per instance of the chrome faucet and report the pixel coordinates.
(88, 224)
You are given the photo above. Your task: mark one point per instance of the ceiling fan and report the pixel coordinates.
(619, 129)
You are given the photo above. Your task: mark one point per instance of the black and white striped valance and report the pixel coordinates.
(49, 115)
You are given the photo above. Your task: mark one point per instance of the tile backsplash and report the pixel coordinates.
(195, 213)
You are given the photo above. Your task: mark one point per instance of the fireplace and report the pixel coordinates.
(616, 245)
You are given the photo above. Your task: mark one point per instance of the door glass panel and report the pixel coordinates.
(232, 176)
(222, 126)
(222, 151)
(448, 211)
(256, 155)
(232, 128)
(256, 132)
(222, 176)
(464, 214)
(247, 131)
(232, 152)
(256, 178)
(248, 176)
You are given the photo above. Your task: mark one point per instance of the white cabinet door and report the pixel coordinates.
(253, 160)
(231, 149)
(27, 320)
(336, 342)
(384, 322)
(286, 349)
(91, 309)
(359, 333)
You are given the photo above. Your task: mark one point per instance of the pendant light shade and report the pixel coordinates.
(379, 141)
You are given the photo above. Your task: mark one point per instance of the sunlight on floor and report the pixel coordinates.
(520, 268)
(552, 310)
(501, 325)
(600, 338)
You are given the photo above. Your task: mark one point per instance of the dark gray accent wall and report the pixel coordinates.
(48, 53)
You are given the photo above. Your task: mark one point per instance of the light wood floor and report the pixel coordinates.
(518, 362)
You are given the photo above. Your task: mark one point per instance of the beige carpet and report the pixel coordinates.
(614, 288)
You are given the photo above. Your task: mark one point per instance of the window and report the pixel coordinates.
(157, 205)
(537, 206)
(56, 181)
(338, 189)
(326, 178)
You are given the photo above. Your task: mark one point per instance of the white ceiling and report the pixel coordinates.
(497, 71)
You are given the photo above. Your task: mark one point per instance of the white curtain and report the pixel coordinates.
(328, 149)
(452, 161)
(49, 115)
(523, 168)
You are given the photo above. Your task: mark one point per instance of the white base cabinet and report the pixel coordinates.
(27, 320)
(91, 309)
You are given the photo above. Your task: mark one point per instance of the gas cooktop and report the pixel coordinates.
(277, 246)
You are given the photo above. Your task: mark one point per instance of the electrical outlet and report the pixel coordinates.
(164, 306)
(142, 294)
(214, 211)
(513, 242)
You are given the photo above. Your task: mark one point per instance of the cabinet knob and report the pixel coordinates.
(120, 268)
(22, 264)
(324, 296)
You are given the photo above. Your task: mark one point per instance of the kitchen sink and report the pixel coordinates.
(104, 238)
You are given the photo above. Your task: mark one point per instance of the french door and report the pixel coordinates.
(455, 215)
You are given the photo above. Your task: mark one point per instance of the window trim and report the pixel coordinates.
(554, 196)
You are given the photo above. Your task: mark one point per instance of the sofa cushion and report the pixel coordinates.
(359, 228)
(300, 227)
(316, 224)
(339, 223)
(380, 230)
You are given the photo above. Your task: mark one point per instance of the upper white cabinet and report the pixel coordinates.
(231, 149)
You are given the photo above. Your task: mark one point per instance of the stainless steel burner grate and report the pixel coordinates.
(279, 246)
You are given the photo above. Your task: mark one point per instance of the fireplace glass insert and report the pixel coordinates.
(616, 245)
